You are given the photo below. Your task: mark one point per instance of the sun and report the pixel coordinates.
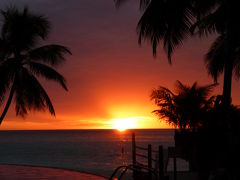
(122, 124)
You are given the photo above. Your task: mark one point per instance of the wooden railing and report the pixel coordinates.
(140, 169)
(149, 157)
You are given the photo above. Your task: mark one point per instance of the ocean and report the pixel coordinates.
(94, 151)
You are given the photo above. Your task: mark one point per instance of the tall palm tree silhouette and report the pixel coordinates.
(169, 22)
(221, 18)
(186, 108)
(21, 61)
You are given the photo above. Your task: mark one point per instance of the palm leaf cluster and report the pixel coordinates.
(216, 58)
(22, 61)
(185, 109)
(165, 22)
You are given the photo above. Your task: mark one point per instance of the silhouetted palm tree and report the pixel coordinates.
(222, 19)
(185, 109)
(169, 21)
(21, 60)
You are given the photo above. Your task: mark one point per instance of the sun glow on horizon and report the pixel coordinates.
(122, 124)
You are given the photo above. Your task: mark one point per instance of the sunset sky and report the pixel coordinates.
(109, 75)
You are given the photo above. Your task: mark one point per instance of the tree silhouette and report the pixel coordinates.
(221, 18)
(185, 109)
(21, 61)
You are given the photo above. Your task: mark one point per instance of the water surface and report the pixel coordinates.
(96, 151)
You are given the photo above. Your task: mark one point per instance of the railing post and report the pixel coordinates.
(133, 154)
(150, 160)
(160, 161)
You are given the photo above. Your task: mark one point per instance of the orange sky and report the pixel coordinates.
(109, 76)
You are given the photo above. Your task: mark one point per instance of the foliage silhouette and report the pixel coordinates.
(21, 60)
(185, 109)
(215, 59)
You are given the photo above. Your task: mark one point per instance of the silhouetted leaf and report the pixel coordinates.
(52, 54)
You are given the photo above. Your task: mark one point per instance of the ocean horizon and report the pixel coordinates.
(97, 151)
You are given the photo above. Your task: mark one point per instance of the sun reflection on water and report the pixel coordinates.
(123, 144)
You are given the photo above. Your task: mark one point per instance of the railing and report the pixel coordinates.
(137, 167)
(150, 160)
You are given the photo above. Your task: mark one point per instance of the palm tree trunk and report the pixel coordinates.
(230, 51)
(227, 93)
(7, 104)
(228, 75)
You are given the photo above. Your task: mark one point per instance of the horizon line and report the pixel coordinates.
(85, 129)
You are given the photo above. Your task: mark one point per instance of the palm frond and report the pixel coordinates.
(215, 57)
(30, 95)
(210, 23)
(144, 4)
(20, 105)
(51, 54)
(180, 87)
(47, 72)
(164, 99)
(166, 21)
(161, 95)
(202, 8)
(204, 91)
(22, 29)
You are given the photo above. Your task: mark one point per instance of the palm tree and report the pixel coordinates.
(21, 60)
(185, 109)
(222, 20)
(170, 22)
